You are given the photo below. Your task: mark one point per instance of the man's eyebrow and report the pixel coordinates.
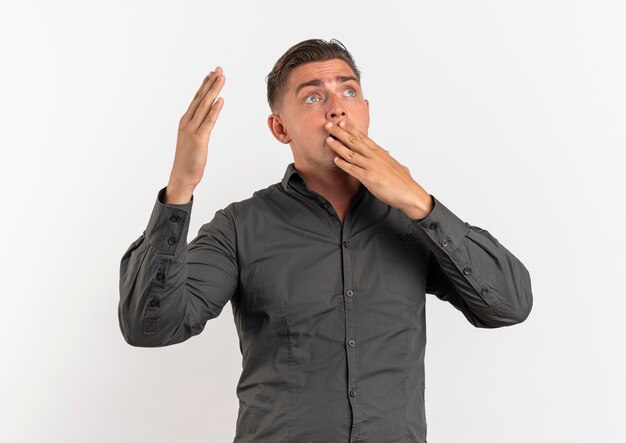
(318, 82)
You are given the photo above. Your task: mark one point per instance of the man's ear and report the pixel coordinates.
(277, 128)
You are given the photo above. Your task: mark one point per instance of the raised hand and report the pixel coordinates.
(194, 132)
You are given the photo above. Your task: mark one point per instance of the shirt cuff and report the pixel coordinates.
(442, 226)
(168, 225)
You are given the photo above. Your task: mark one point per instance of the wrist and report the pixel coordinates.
(421, 206)
(177, 193)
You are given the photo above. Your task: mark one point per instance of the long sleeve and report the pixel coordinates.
(469, 268)
(168, 288)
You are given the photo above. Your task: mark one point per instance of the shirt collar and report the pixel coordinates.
(290, 174)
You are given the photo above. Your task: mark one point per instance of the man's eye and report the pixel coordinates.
(306, 100)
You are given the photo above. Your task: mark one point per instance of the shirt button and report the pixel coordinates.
(403, 236)
(433, 225)
(160, 276)
(154, 302)
(352, 343)
(467, 271)
(349, 292)
(484, 291)
(174, 218)
(171, 240)
(346, 244)
(353, 393)
(444, 242)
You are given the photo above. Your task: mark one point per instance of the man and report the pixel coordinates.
(326, 270)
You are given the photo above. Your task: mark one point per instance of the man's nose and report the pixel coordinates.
(336, 112)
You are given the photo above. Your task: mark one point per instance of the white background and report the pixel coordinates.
(513, 114)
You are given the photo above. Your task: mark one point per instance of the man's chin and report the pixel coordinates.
(328, 159)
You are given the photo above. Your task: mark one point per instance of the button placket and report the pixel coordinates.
(346, 245)
(161, 273)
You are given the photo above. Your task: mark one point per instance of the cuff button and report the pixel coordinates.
(171, 240)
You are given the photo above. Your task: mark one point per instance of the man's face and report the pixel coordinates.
(318, 92)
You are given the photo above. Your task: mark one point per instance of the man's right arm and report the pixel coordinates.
(168, 289)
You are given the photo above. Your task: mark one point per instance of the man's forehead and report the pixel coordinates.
(327, 71)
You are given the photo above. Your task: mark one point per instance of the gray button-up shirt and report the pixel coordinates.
(330, 316)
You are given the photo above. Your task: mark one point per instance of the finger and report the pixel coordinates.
(209, 122)
(206, 84)
(351, 137)
(205, 104)
(190, 109)
(346, 153)
(202, 85)
(213, 76)
(351, 169)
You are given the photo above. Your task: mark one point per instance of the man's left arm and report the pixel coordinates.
(472, 270)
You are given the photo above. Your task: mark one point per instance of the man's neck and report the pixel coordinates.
(335, 187)
(339, 188)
